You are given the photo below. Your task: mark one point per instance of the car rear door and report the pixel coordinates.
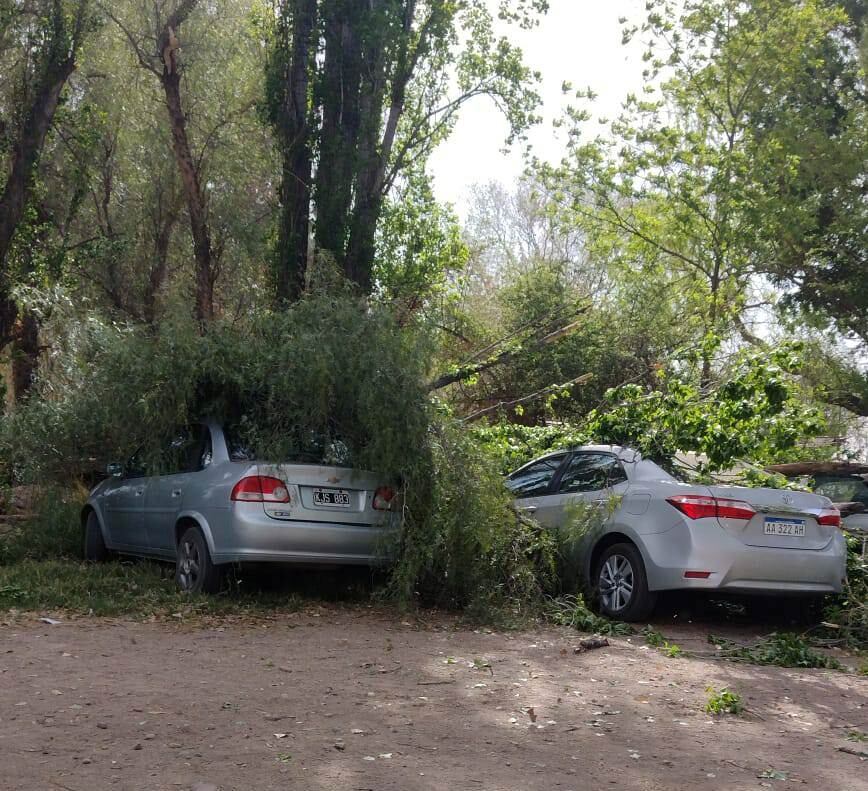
(186, 454)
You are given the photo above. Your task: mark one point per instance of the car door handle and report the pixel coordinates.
(140, 491)
(529, 508)
(176, 492)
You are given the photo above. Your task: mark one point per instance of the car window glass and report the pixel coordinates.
(188, 450)
(843, 490)
(534, 480)
(590, 472)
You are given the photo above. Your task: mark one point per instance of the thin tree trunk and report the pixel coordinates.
(164, 228)
(196, 205)
(339, 133)
(295, 191)
(374, 153)
(25, 355)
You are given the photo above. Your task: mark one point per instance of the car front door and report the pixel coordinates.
(188, 452)
(587, 479)
(123, 504)
(531, 485)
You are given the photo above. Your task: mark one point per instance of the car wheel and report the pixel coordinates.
(95, 549)
(195, 572)
(622, 586)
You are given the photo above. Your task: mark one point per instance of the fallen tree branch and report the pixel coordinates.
(579, 380)
(467, 371)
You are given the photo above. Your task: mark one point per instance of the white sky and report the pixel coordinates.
(578, 41)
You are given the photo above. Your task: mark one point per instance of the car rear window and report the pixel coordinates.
(304, 447)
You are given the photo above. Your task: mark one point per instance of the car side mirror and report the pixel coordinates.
(114, 470)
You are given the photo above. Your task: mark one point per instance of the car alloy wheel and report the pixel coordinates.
(616, 583)
(189, 565)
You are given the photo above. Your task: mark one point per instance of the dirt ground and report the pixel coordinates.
(347, 697)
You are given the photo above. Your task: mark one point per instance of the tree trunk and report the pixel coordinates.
(295, 191)
(196, 205)
(27, 149)
(374, 152)
(25, 355)
(341, 118)
(163, 228)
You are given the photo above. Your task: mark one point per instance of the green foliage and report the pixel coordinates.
(656, 640)
(755, 413)
(784, 649)
(724, 701)
(512, 444)
(330, 367)
(728, 162)
(471, 548)
(52, 531)
(571, 610)
(849, 611)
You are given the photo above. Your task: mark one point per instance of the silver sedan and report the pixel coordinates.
(213, 505)
(655, 533)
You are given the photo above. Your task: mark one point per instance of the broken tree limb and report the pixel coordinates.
(466, 371)
(579, 380)
(590, 643)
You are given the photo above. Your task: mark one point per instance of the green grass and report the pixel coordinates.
(142, 589)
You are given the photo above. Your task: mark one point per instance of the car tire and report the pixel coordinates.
(622, 586)
(95, 550)
(195, 572)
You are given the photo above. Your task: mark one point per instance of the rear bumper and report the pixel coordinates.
(738, 568)
(253, 536)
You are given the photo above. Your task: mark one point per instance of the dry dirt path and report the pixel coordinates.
(338, 698)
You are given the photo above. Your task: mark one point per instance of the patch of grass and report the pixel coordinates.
(724, 701)
(857, 736)
(784, 649)
(52, 531)
(571, 610)
(141, 589)
(656, 640)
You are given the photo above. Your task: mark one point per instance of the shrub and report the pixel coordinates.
(466, 545)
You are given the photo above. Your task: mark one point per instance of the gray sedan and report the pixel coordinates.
(214, 505)
(657, 533)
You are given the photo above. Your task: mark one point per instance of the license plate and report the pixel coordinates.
(335, 497)
(784, 527)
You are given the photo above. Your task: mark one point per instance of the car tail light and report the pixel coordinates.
(829, 516)
(260, 489)
(698, 506)
(383, 499)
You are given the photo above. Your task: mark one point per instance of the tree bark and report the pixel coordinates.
(58, 66)
(25, 355)
(339, 95)
(374, 151)
(295, 190)
(196, 203)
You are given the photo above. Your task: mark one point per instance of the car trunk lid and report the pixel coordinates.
(782, 518)
(320, 493)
